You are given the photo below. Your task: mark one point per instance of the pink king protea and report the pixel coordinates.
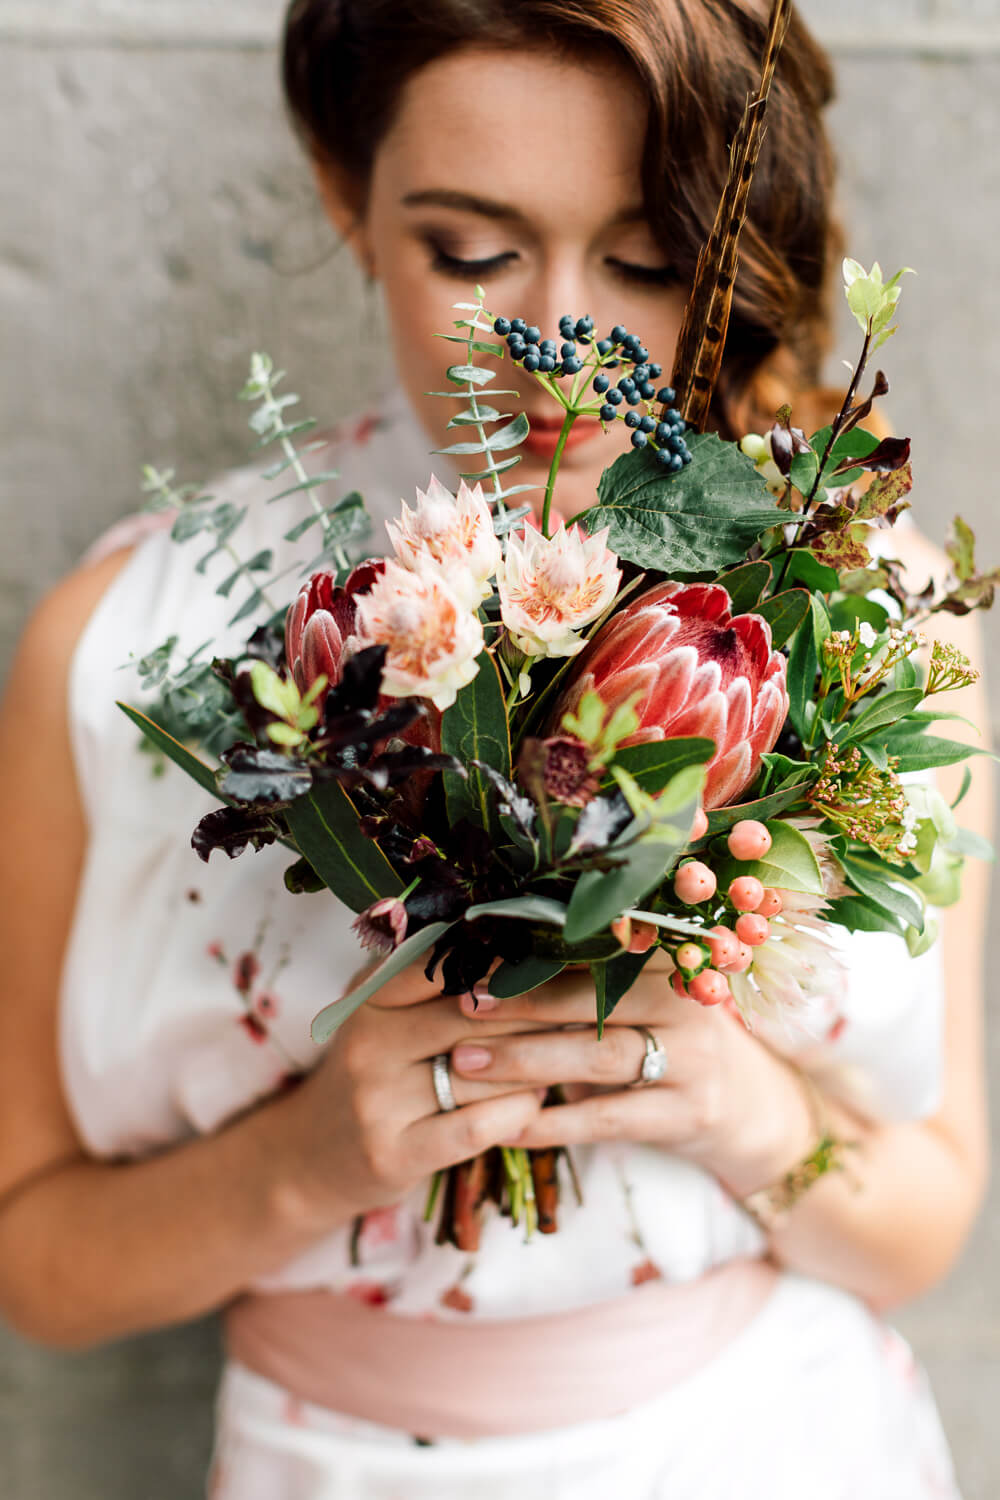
(696, 671)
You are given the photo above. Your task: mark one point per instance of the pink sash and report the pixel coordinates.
(494, 1377)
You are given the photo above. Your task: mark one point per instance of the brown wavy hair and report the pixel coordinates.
(346, 63)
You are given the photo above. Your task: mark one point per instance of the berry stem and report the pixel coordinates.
(567, 426)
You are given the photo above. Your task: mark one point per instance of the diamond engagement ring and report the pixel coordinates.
(654, 1063)
(441, 1078)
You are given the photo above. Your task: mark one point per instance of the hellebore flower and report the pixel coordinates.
(693, 670)
(550, 587)
(382, 927)
(433, 640)
(453, 533)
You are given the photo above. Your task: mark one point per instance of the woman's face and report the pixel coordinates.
(520, 172)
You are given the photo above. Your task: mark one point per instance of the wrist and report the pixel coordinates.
(781, 1137)
(303, 1195)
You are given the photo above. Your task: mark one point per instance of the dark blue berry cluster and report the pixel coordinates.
(620, 350)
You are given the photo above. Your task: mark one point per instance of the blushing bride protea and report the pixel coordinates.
(453, 533)
(796, 979)
(433, 639)
(551, 587)
(693, 670)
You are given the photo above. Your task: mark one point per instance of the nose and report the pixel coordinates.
(558, 288)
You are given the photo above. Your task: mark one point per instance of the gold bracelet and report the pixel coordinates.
(770, 1206)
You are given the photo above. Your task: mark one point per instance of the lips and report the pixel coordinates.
(543, 438)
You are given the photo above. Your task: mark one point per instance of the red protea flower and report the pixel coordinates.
(321, 622)
(697, 671)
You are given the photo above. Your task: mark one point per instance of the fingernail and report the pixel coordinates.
(482, 997)
(469, 1059)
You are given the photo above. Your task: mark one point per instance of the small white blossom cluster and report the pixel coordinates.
(425, 605)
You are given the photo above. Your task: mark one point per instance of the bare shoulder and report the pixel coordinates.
(59, 619)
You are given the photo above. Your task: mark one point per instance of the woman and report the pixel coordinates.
(152, 1165)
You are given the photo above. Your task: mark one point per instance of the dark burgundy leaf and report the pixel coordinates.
(359, 686)
(510, 802)
(232, 829)
(257, 774)
(890, 455)
(301, 879)
(861, 411)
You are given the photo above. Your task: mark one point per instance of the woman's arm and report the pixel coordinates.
(893, 1225)
(94, 1250)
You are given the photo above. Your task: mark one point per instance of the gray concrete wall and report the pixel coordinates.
(156, 226)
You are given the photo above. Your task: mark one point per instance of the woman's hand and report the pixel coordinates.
(726, 1101)
(366, 1126)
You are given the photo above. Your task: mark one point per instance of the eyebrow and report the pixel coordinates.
(490, 208)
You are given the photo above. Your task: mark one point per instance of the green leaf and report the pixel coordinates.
(870, 880)
(324, 825)
(617, 976)
(723, 818)
(887, 709)
(476, 728)
(845, 613)
(808, 570)
(332, 1016)
(784, 613)
(922, 752)
(973, 845)
(648, 849)
(858, 914)
(470, 374)
(704, 517)
(655, 763)
(203, 774)
(510, 436)
(789, 864)
(511, 979)
(528, 908)
(800, 679)
(745, 585)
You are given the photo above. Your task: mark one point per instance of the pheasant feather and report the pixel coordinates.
(702, 337)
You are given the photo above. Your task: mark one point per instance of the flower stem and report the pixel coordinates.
(567, 425)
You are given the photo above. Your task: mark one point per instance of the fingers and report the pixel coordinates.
(446, 1139)
(570, 998)
(547, 1057)
(647, 1114)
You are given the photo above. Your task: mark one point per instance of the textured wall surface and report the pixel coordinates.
(157, 225)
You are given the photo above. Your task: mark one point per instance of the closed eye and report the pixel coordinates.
(453, 265)
(646, 275)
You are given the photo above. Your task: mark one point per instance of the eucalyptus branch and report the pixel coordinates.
(269, 423)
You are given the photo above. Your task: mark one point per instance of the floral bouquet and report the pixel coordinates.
(677, 724)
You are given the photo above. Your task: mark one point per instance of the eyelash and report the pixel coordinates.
(661, 276)
(453, 265)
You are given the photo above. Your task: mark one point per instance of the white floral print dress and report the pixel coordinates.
(187, 995)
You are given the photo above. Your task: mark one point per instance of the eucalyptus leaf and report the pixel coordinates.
(527, 908)
(649, 849)
(332, 1016)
